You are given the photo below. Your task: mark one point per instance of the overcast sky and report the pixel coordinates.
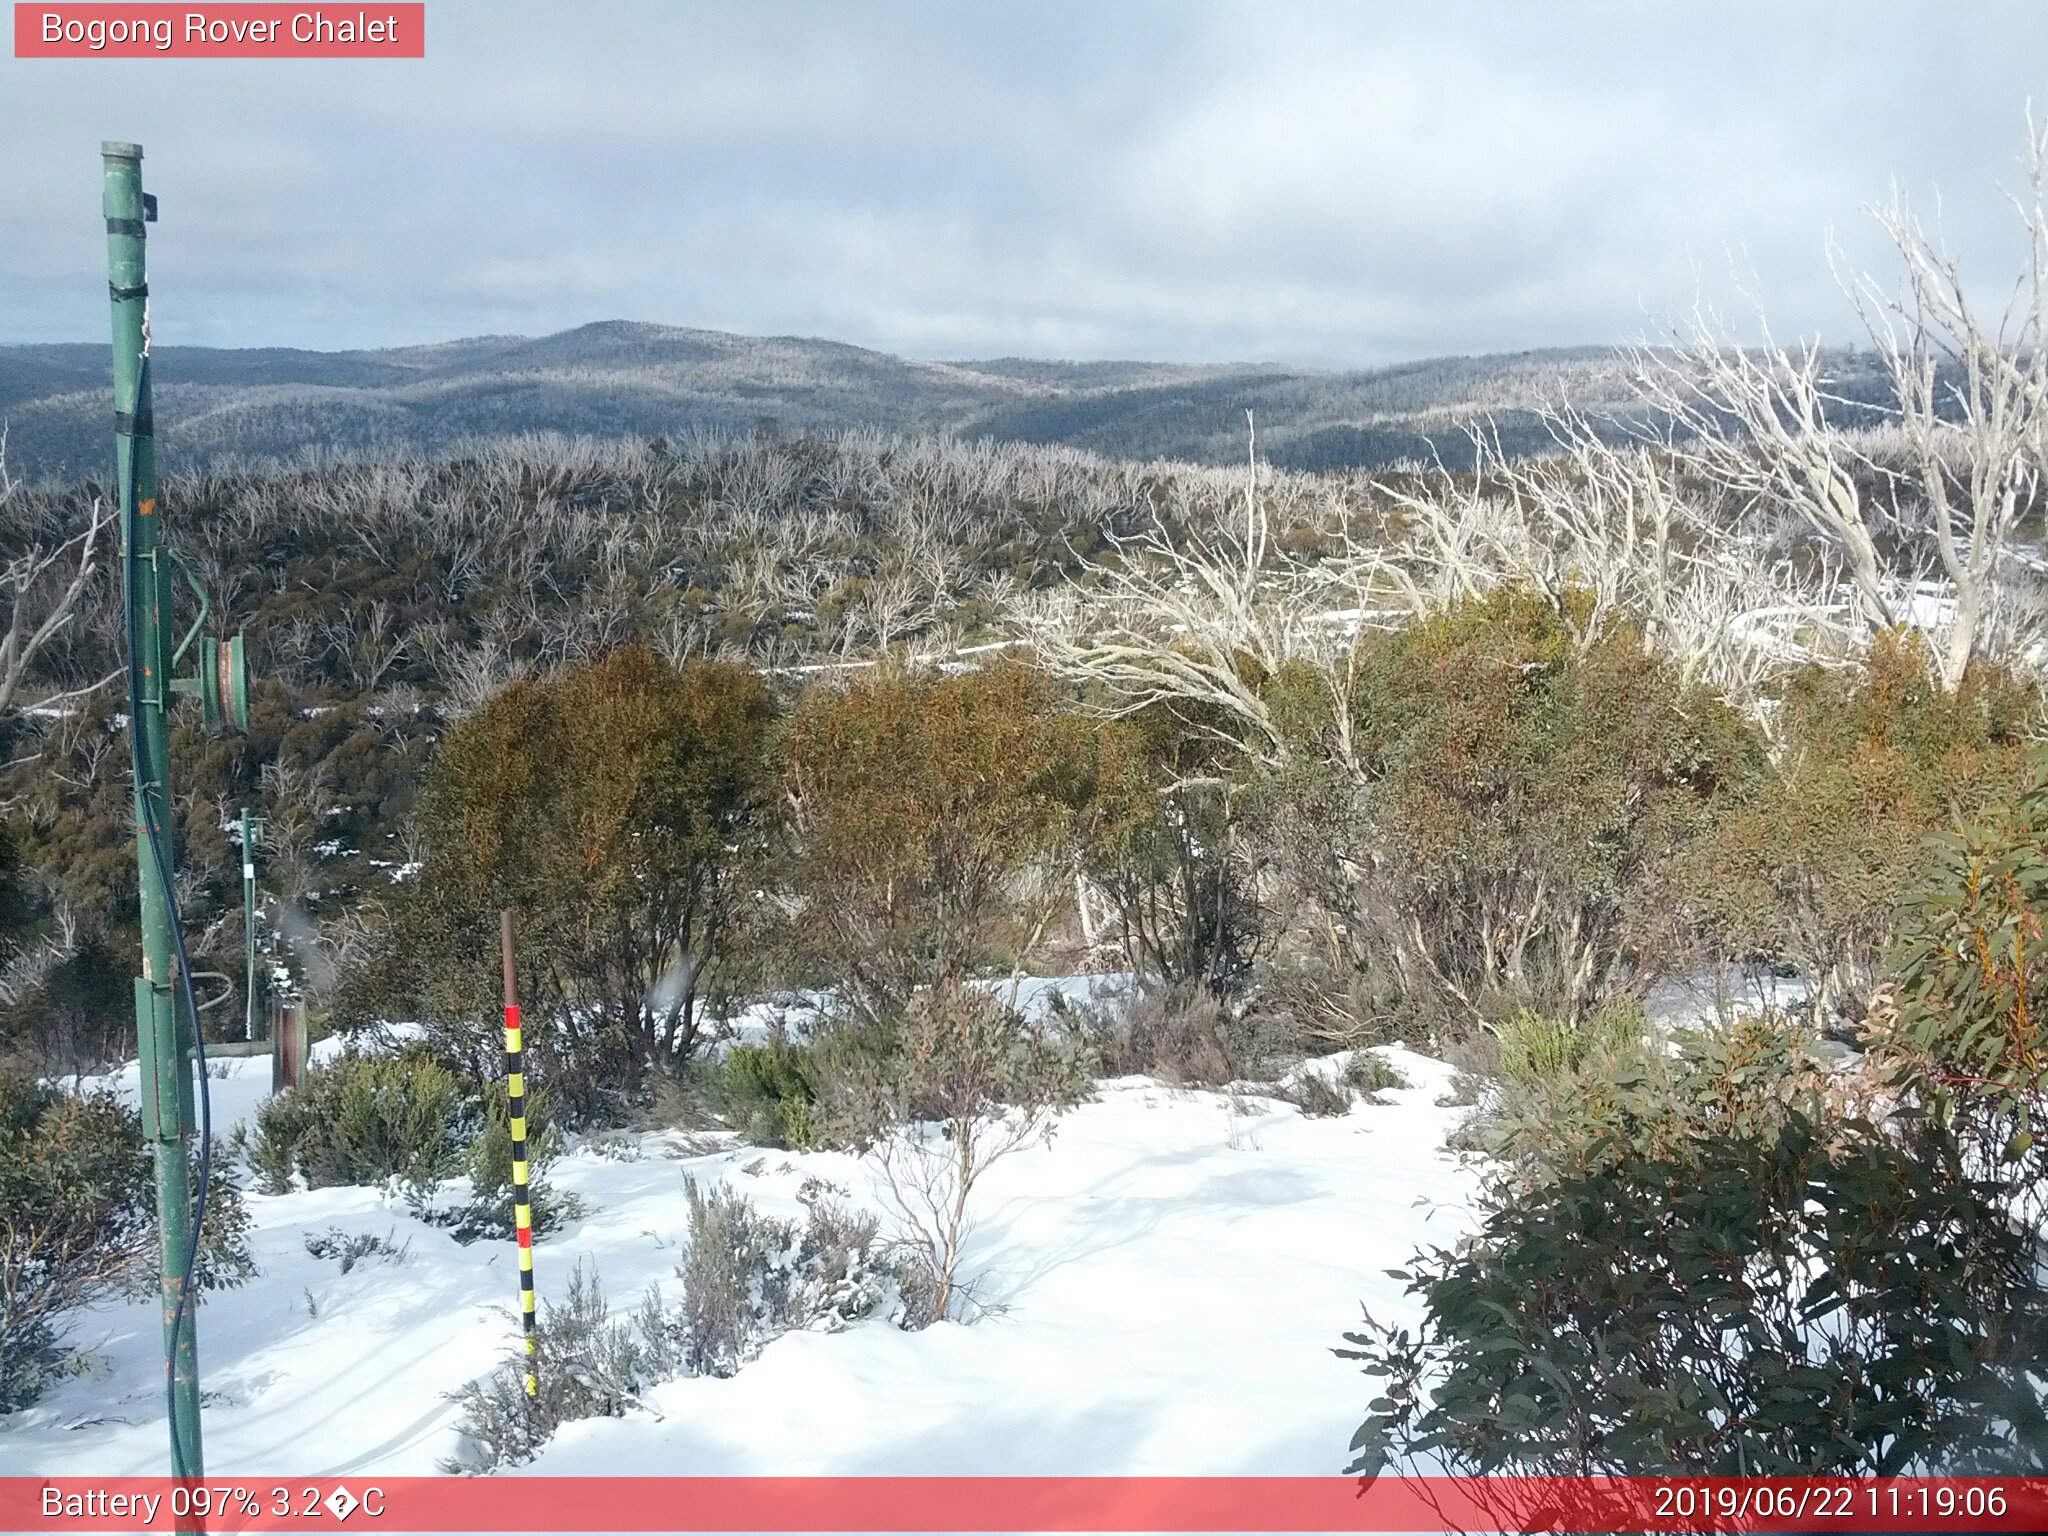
(1338, 185)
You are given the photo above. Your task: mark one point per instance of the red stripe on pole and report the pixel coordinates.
(1019, 1504)
(525, 1236)
(511, 1015)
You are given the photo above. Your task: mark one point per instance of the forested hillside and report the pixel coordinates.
(619, 379)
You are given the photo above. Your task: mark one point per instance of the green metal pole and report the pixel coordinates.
(163, 1035)
(249, 926)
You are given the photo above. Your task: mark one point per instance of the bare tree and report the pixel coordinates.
(1200, 610)
(42, 583)
(1969, 410)
(1612, 532)
(980, 1083)
(1972, 398)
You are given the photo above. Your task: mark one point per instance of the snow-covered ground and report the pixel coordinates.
(1166, 1279)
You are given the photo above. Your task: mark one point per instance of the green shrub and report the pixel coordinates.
(934, 825)
(362, 1118)
(764, 1093)
(1711, 1262)
(1317, 1096)
(1973, 955)
(1537, 1048)
(1159, 839)
(78, 1017)
(1371, 1074)
(488, 1161)
(1972, 968)
(1824, 1299)
(1807, 872)
(1734, 1077)
(1490, 825)
(78, 1223)
(620, 807)
(851, 1064)
(76, 1216)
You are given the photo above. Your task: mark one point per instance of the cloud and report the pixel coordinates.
(1330, 184)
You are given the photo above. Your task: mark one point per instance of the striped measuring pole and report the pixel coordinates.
(515, 1104)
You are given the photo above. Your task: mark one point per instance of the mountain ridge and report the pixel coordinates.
(636, 378)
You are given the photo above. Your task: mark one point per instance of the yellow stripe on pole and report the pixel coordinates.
(515, 1106)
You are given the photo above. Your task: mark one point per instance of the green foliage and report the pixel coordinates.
(1317, 1095)
(224, 1260)
(489, 1210)
(78, 1223)
(362, 1118)
(1629, 1100)
(615, 807)
(765, 1092)
(14, 903)
(1491, 830)
(934, 820)
(1809, 869)
(78, 1017)
(958, 1056)
(1371, 1073)
(1826, 1299)
(1972, 960)
(1536, 1048)
(76, 1209)
(1159, 839)
(1714, 1262)
(332, 775)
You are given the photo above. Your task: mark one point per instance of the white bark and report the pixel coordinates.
(41, 588)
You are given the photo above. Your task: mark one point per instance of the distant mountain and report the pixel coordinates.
(623, 378)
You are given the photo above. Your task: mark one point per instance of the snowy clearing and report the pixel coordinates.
(1165, 1280)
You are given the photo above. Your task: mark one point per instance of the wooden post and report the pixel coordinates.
(288, 1047)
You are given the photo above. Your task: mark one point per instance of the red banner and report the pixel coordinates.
(374, 31)
(1018, 1504)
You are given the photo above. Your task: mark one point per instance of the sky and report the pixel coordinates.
(1329, 185)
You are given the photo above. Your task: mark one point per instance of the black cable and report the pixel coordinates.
(170, 895)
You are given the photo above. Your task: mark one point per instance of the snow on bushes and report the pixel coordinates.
(78, 1224)
(746, 1279)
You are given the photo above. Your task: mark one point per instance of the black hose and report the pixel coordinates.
(170, 894)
